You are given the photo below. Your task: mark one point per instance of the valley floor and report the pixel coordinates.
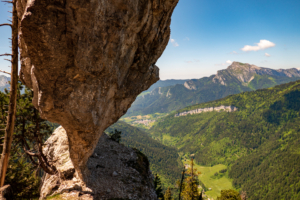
(207, 177)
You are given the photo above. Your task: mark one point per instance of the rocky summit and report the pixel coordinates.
(87, 61)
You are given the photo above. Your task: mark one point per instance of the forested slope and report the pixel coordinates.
(164, 160)
(260, 141)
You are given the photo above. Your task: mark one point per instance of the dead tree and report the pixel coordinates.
(13, 93)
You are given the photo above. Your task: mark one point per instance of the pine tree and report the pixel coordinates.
(158, 188)
(191, 191)
(168, 194)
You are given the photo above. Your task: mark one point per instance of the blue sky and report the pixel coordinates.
(207, 34)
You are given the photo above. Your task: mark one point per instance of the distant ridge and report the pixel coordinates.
(238, 77)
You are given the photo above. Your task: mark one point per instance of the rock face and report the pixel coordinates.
(245, 73)
(117, 172)
(88, 60)
(211, 109)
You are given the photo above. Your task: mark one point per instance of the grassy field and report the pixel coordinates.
(216, 184)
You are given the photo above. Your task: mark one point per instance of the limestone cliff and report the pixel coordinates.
(117, 172)
(210, 109)
(87, 61)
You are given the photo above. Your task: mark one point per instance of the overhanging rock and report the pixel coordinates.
(88, 60)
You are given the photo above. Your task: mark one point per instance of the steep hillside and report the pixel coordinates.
(259, 141)
(238, 77)
(164, 160)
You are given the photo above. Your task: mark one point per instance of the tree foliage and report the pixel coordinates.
(26, 165)
(229, 195)
(158, 188)
(259, 142)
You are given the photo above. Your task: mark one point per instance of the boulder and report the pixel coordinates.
(116, 172)
(87, 61)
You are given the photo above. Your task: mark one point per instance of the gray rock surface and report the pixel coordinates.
(88, 60)
(210, 109)
(116, 172)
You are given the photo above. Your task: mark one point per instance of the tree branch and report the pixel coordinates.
(6, 24)
(5, 72)
(7, 1)
(6, 54)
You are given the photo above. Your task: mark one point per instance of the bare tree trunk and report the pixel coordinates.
(13, 97)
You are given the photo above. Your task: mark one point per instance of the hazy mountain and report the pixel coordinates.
(238, 77)
(165, 83)
(4, 82)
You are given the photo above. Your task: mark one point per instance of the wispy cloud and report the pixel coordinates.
(263, 44)
(174, 43)
(187, 39)
(224, 64)
(234, 52)
(267, 55)
(264, 61)
(192, 61)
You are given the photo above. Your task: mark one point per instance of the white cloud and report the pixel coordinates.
(174, 43)
(229, 62)
(233, 52)
(186, 38)
(263, 44)
(267, 55)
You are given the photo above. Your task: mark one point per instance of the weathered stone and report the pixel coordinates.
(117, 172)
(87, 61)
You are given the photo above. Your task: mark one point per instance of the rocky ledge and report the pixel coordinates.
(211, 109)
(116, 172)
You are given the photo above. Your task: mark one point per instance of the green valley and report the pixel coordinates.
(259, 142)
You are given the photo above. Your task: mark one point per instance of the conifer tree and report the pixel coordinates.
(168, 194)
(158, 188)
(191, 191)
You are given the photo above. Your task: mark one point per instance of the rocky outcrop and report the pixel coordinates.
(245, 72)
(190, 85)
(87, 61)
(210, 109)
(116, 172)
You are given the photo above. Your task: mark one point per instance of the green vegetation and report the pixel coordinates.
(24, 171)
(163, 160)
(259, 143)
(210, 181)
(229, 195)
(143, 122)
(175, 97)
(190, 190)
(158, 187)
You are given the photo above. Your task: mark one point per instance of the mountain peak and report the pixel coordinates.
(242, 66)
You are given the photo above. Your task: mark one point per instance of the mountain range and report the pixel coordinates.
(238, 77)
